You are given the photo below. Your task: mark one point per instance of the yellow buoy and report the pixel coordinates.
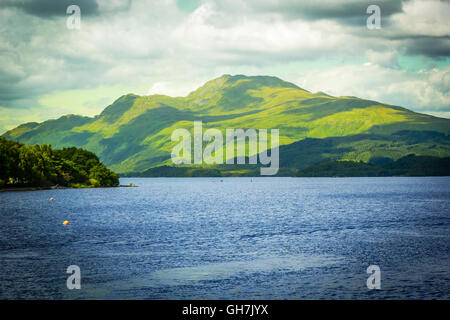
(66, 223)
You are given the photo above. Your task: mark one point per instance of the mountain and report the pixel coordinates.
(133, 133)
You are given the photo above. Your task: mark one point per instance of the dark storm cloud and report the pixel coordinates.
(434, 47)
(354, 13)
(50, 8)
(348, 12)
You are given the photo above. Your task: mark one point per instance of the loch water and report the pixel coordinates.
(230, 238)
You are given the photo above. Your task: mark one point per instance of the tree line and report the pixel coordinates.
(410, 166)
(42, 166)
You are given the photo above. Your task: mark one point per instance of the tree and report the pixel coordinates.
(40, 165)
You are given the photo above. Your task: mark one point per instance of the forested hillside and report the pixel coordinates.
(42, 166)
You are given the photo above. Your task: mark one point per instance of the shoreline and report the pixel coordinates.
(55, 188)
(31, 189)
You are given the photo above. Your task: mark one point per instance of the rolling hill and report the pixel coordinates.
(133, 133)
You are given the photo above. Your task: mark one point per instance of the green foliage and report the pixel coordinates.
(103, 176)
(413, 165)
(168, 171)
(340, 169)
(410, 165)
(40, 165)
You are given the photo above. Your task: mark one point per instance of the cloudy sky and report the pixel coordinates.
(174, 46)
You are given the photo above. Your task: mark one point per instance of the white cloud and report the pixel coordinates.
(153, 44)
(423, 18)
(172, 89)
(383, 58)
(216, 36)
(426, 91)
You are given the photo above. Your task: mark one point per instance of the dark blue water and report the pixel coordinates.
(240, 238)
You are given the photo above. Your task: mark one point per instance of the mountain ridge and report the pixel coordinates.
(133, 133)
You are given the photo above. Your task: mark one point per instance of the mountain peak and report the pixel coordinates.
(269, 81)
(112, 112)
(240, 83)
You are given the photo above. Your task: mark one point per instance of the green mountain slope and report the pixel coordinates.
(133, 134)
